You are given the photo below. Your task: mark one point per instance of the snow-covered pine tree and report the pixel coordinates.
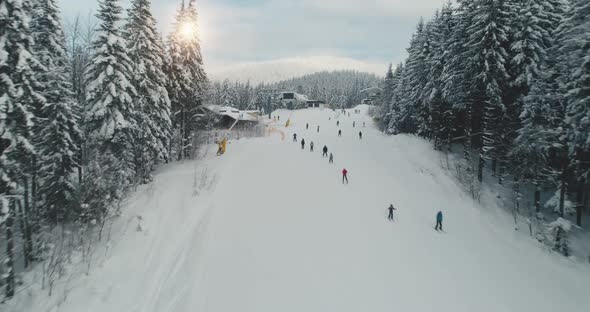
(542, 117)
(528, 48)
(441, 112)
(110, 113)
(487, 44)
(397, 95)
(456, 78)
(187, 78)
(60, 137)
(152, 105)
(19, 98)
(416, 71)
(410, 115)
(577, 95)
(194, 65)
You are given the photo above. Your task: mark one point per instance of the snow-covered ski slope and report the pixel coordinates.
(269, 227)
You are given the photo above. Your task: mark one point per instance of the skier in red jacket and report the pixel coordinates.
(344, 176)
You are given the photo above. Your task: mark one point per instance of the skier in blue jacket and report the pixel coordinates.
(439, 219)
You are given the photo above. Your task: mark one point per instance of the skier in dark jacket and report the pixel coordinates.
(302, 143)
(318, 129)
(391, 209)
(306, 126)
(294, 137)
(337, 123)
(360, 135)
(325, 151)
(339, 132)
(331, 160)
(353, 123)
(311, 146)
(439, 219)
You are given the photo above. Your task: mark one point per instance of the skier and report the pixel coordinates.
(294, 137)
(337, 123)
(353, 123)
(439, 219)
(339, 132)
(302, 143)
(344, 175)
(360, 135)
(325, 150)
(278, 117)
(306, 126)
(311, 146)
(391, 209)
(363, 124)
(331, 160)
(318, 129)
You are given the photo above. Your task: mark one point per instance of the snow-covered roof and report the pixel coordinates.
(231, 112)
(372, 90)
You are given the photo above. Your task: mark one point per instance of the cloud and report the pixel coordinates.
(258, 31)
(284, 68)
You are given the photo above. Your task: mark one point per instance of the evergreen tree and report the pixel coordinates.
(60, 137)
(110, 113)
(456, 78)
(186, 76)
(441, 114)
(415, 109)
(19, 99)
(488, 56)
(577, 88)
(152, 114)
(397, 95)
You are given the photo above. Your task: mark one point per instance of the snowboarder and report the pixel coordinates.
(318, 129)
(306, 126)
(439, 218)
(353, 123)
(294, 137)
(302, 143)
(391, 209)
(311, 146)
(344, 175)
(325, 151)
(331, 160)
(339, 132)
(360, 135)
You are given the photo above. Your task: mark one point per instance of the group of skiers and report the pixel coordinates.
(439, 217)
(311, 145)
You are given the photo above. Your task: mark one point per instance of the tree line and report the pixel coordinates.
(340, 88)
(86, 116)
(509, 80)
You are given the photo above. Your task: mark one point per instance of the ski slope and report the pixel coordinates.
(269, 227)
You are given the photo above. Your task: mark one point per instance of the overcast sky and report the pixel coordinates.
(249, 31)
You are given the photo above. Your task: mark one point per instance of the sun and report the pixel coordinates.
(188, 30)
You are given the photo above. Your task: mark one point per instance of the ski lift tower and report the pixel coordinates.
(271, 98)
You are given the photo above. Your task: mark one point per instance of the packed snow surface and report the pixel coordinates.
(270, 227)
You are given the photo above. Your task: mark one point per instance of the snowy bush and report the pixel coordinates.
(553, 203)
(558, 235)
